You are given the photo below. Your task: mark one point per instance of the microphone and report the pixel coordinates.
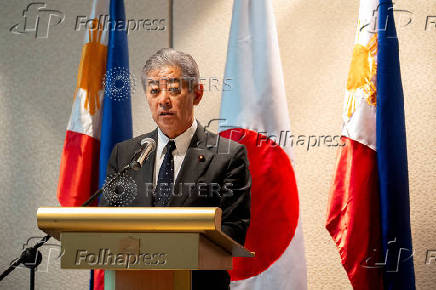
(148, 145)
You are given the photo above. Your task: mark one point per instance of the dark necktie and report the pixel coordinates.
(165, 182)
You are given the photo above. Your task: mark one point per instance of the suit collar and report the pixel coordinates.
(200, 138)
(197, 160)
(182, 141)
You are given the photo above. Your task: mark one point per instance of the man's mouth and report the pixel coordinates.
(166, 114)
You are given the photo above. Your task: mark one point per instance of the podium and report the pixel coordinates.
(141, 247)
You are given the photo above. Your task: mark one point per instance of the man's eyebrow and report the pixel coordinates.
(152, 82)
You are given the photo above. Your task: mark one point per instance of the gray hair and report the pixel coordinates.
(171, 57)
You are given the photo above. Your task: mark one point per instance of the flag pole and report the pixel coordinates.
(170, 23)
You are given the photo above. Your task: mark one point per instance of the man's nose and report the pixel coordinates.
(164, 99)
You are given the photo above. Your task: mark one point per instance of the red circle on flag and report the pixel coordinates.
(274, 202)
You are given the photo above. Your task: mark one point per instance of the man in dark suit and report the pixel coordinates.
(191, 167)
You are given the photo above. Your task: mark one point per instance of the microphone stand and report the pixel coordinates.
(114, 178)
(31, 257)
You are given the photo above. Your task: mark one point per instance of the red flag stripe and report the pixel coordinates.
(79, 169)
(353, 214)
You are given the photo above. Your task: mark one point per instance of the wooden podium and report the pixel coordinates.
(152, 248)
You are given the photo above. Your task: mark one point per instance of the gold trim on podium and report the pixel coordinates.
(53, 220)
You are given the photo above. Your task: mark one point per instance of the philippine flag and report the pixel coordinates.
(254, 112)
(79, 168)
(101, 114)
(368, 211)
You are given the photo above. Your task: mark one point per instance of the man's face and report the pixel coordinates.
(171, 100)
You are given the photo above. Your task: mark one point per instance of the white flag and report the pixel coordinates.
(254, 112)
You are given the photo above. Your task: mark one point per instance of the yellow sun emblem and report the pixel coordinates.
(92, 69)
(362, 75)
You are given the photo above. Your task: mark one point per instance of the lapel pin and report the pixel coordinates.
(201, 158)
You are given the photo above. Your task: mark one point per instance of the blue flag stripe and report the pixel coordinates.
(117, 115)
(392, 158)
(116, 124)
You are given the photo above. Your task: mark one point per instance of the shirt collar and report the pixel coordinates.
(182, 141)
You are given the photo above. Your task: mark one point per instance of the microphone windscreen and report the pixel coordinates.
(146, 141)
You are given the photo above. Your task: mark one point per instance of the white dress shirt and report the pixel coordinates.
(182, 143)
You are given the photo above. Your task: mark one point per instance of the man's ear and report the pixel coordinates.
(198, 93)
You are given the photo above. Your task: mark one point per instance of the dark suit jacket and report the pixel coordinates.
(214, 173)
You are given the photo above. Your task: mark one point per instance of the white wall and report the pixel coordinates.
(38, 78)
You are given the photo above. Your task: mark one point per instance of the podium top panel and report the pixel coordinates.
(54, 220)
